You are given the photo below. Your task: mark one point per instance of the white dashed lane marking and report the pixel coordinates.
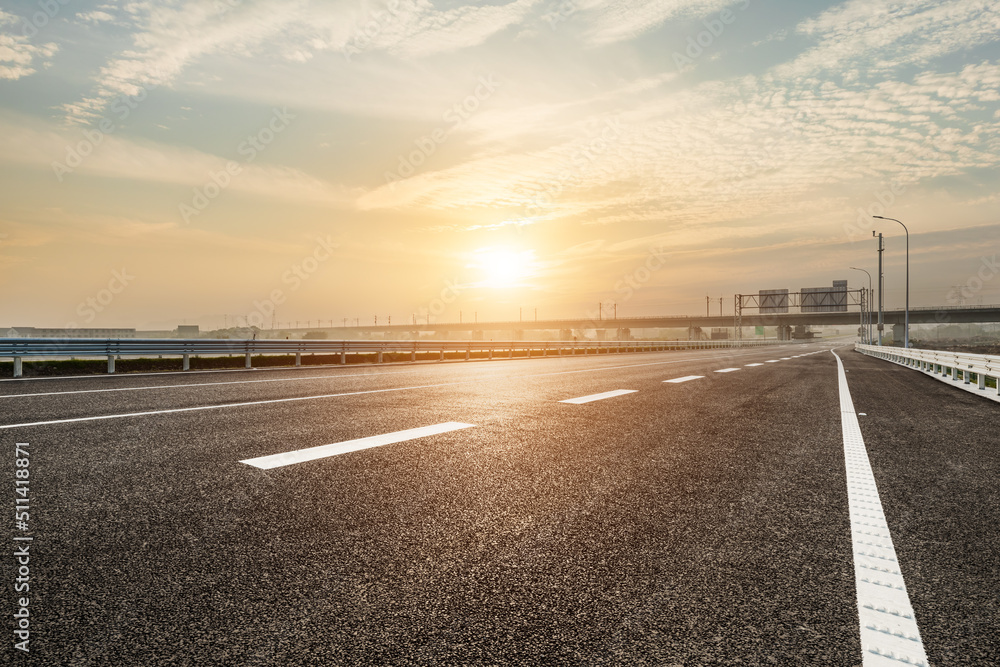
(755, 364)
(685, 378)
(324, 451)
(726, 370)
(598, 397)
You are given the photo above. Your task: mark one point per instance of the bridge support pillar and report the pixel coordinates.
(17, 367)
(186, 364)
(111, 363)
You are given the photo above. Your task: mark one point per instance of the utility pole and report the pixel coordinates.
(616, 311)
(881, 286)
(720, 306)
(708, 306)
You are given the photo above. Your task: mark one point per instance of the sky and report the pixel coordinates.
(238, 161)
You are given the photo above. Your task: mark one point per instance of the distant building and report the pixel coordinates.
(188, 331)
(39, 332)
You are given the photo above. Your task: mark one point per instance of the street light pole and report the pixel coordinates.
(881, 248)
(868, 327)
(906, 326)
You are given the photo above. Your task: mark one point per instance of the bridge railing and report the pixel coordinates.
(956, 366)
(18, 348)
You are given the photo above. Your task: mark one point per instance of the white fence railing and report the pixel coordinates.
(956, 366)
(375, 349)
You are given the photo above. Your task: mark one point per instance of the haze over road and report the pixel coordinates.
(657, 508)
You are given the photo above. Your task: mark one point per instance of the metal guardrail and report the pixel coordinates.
(184, 348)
(941, 363)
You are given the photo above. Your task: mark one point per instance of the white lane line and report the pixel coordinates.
(726, 370)
(324, 451)
(755, 364)
(203, 384)
(685, 378)
(350, 393)
(228, 405)
(785, 358)
(772, 361)
(889, 633)
(598, 397)
(294, 379)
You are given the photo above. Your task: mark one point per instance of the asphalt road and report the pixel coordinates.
(694, 523)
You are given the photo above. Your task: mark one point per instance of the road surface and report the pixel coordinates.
(649, 509)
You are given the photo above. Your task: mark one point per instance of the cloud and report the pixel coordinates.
(170, 37)
(882, 35)
(18, 55)
(119, 157)
(610, 22)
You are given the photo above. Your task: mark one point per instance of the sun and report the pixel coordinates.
(504, 267)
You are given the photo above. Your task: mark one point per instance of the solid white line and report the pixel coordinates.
(228, 405)
(598, 397)
(202, 384)
(772, 361)
(889, 633)
(755, 364)
(685, 378)
(350, 393)
(324, 451)
(726, 370)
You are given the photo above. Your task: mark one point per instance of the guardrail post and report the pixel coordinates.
(111, 363)
(982, 380)
(510, 353)
(491, 353)
(468, 351)
(343, 355)
(441, 358)
(954, 373)
(413, 353)
(378, 357)
(247, 364)
(17, 367)
(186, 363)
(966, 376)
(298, 358)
